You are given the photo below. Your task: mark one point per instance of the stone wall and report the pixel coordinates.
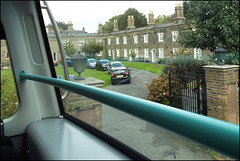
(223, 92)
(85, 109)
(5, 56)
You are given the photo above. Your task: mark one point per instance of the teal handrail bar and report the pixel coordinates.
(219, 135)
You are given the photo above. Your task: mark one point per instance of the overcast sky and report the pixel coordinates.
(88, 14)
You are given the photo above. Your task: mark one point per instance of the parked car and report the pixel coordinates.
(114, 66)
(102, 64)
(69, 62)
(119, 73)
(91, 63)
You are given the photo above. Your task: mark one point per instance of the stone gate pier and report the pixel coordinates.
(222, 83)
(87, 110)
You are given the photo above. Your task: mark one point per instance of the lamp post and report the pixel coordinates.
(78, 62)
(221, 55)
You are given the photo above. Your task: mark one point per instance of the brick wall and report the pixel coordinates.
(223, 92)
(87, 110)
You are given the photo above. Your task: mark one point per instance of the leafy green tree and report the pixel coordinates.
(69, 49)
(92, 49)
(107, 27)
(164, 19)
(211, 24)
(140, 20)
(60, 24)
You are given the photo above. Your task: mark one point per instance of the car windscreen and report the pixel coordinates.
(91, 61)
(117, 65)
(119, 71)
(104, 62)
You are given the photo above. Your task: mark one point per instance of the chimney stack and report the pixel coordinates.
(100, 28)
(115, 26)
(130, 22)
(179, 12)
(150, 18)
(70, 28)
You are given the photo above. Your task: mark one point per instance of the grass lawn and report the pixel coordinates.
(87, 73)
(154, 68)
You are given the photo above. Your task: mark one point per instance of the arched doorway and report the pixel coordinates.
(130, 52)
(113, 54)
(153, 55)
(54, 55)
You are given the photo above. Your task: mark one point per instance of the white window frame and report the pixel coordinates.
(145, 38)
(98, 41)
(174, 36)
(125, 53)
(64, 41)
(118, 52)
(109, 41)
(135, 38)
(80, 42)
(109, 52)
(161, 37)
(161, 52)
(146, 53)
(99, 54)
(124, 39)
(198, 53)
(136, 52)
(117, 40)
(175, 49)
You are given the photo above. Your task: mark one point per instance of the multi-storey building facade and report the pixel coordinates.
(149, 43)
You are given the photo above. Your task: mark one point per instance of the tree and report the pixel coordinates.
(211, 24)
(164, 19)
(140, 20)
(92, 49)
(69, 49)
(60, 24)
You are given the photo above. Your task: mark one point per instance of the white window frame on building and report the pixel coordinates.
(125, 53)
(117, 40)
(109, 52)
(175, 50)
(118, 52)
(99, 54)
(109, 41)
(145, 38)
(161, 52)
(124, 39)
(136, 52)
(161, 37)
(80, 42)
(174, 36)
(197, 53)
(64, 41)
(98, 41)
(146, 53)
(135, 38)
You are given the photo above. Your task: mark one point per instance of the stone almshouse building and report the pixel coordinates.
(149, 43)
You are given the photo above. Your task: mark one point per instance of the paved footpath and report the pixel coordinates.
(154, 142)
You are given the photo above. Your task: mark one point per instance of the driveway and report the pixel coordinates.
(154, 142)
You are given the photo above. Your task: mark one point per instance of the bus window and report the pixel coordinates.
(9, 96)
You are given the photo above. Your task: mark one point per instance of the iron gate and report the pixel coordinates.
(188, 91)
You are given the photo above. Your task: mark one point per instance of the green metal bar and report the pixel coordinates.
(219, 135)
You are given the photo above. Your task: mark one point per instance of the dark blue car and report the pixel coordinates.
(69, 62)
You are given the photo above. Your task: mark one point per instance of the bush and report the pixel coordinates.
(159, 90)
(183, 64)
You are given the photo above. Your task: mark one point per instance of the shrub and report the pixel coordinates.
(159, 90)
(183, 64)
